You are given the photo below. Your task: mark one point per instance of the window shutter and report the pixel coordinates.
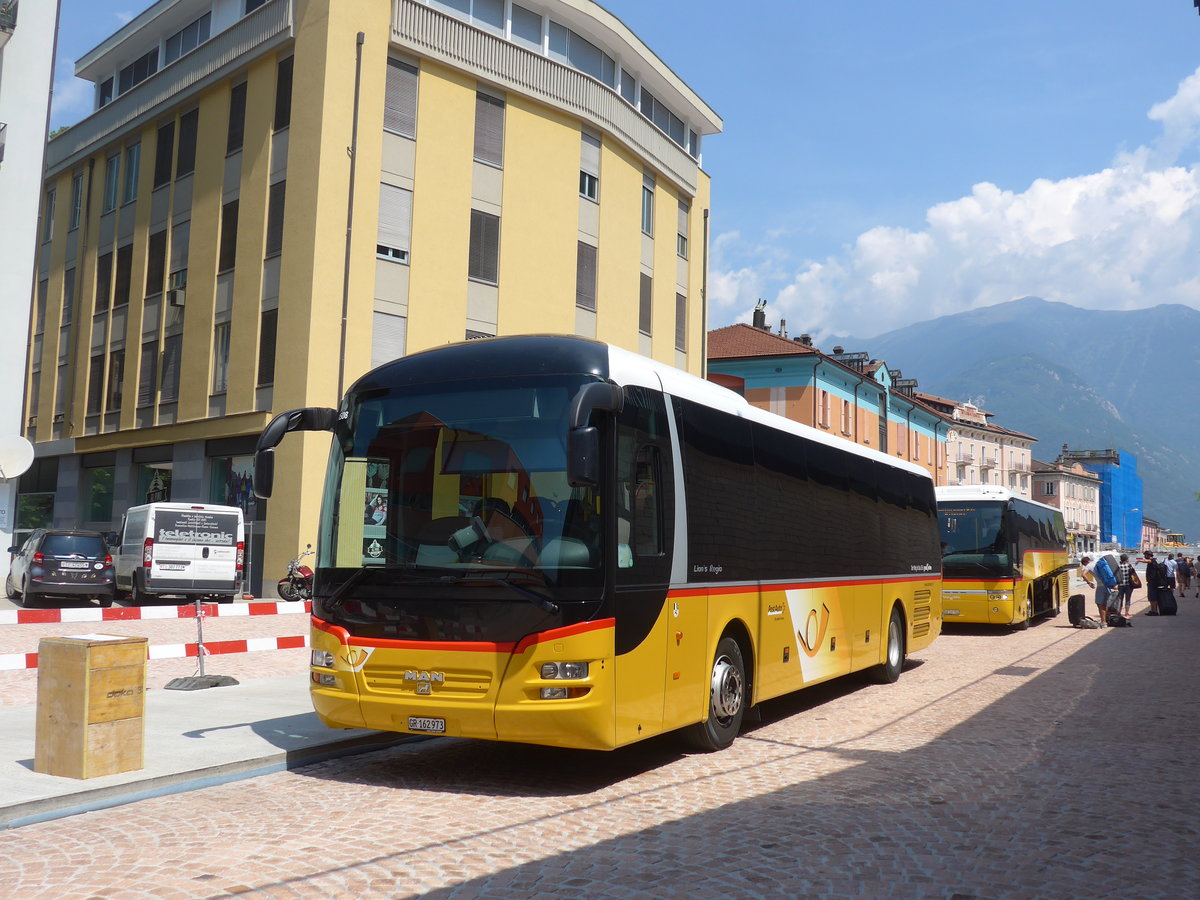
(395, 217)
(489, 129)
(266, 347)
(387, 338)
(585, 276)
(400, 101)
(483, 259)
(681, 326)
(645, 304)
(589, 158)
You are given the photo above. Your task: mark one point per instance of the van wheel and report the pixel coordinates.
(727, 700)
(138, 596)
(888, 672)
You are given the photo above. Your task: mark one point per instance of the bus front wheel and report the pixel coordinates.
(1024, 623)
(888, 672)
(727, 700)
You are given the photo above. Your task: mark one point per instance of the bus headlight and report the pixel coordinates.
(564, 670)
(322, 659)
(325, 679)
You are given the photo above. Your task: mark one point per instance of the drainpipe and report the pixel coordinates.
(704, 304)
(353, 149)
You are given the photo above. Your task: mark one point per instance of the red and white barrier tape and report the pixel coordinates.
(132, 613)
(14, 661)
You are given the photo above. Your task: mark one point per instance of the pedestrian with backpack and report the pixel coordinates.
(1099, 574)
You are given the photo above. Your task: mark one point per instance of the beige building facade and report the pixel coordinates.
(273, 196)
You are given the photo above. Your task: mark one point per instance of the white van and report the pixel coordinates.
(184, 550)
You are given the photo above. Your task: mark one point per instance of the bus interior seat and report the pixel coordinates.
(433, 548)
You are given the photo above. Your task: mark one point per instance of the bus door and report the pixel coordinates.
(643, 506)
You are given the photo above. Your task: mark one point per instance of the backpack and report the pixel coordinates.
(1116, 620)
(1087, 622)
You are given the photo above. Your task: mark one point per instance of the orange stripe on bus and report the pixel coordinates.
(346, 639)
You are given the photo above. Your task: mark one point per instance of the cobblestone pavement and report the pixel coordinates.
(1052, 762)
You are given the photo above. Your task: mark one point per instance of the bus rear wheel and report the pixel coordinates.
(888, 672)
(727, 700)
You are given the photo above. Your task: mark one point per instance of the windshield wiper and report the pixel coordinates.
(357, 577)
(548, 606)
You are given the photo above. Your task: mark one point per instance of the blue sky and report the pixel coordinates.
(887, 161)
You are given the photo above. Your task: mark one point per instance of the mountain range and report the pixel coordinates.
(1091, 379)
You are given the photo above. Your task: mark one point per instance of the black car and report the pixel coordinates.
(53, 563)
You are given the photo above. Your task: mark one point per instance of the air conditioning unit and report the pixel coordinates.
(175, 297)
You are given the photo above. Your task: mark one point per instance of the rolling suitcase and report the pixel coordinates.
(1075, 606)
(1167, 604)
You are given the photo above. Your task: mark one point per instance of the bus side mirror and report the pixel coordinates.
(264, 473)
(311, 418)
(583, 457)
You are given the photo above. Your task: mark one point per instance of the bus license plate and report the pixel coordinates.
(432, 726)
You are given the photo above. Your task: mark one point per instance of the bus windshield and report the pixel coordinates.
(975, 541)
(455, 482)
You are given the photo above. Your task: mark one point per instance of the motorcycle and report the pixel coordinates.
(297, 584)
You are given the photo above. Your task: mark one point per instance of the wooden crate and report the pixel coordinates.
(90, 705)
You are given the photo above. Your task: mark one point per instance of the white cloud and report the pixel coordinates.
(1122, 238)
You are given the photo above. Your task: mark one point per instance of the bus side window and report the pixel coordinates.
(647, 511)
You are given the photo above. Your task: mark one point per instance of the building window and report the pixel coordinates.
(484, 259)
(124, 279)
(1047, 488)
(68, 298)
(489, 130)
(527, 27)
(163, 154)
(484, 13)
(628, 87)
(172, 349)
(665, 120)
(589, 167)
(95, 392)
(112, 171)
(156, 263)
(645, 304)
(395, 223)
(847, 408)
(681, 342)
(266, 347)
(187, 38)
(578, 52)
(237, 118)
(98, 494)
(48, 216)
(116, 378)
(133, 158)
(147, 374)
(681, 239)
(76, 200)
(585, 276)
(105, 94)
(648, 205)
(185, 162)
(220, 377)
(400, 99)
(227, 255)
(823, 411)
(283, 94)
(180, 237)
(252, 5)
(104, 269)
(274, 245)
(137, 71)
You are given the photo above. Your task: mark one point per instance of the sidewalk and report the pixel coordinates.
(193, 739)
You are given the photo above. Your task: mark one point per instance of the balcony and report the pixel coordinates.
(8, 20)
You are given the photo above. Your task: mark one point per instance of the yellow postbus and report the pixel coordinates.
(1004, 558)
(551, 540)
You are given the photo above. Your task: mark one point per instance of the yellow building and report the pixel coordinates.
(274, 195)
